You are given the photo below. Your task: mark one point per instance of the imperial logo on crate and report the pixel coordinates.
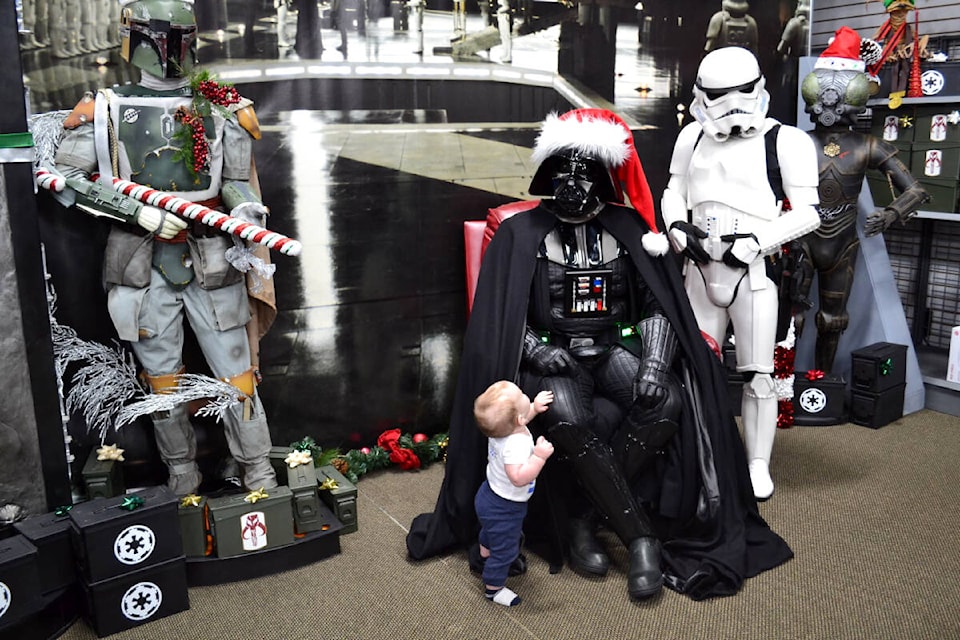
(50, 534)
(340, 495)
(137, 597)
(114, 536)
(818, 399)
(19, 581)
(245, 523)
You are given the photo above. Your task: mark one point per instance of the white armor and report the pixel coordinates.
(719, 184)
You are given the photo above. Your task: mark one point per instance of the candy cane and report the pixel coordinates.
(189, 210)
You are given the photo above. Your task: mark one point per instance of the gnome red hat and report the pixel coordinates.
(604, 136)
(846, 51)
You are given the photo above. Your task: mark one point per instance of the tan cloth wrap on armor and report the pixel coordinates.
(246, 382)
(247, 118)
(81, 114)
(164, 384)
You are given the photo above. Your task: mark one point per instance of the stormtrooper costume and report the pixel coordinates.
(158, 270)
(726, 217)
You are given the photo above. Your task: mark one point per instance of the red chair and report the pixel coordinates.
(477, 235)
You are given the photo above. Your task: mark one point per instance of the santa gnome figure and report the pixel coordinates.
(603, 136)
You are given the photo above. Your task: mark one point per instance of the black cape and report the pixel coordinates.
(706, 515)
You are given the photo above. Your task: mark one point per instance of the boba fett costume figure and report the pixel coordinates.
(160, 270)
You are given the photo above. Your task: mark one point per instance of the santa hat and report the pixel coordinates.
(603, 135)
(843, 52)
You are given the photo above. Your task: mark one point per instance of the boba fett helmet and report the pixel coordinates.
(159, 36)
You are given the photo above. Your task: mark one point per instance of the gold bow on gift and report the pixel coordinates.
(298, 457)
(190, 500)
(328, 484)
(110, 452)
(253, 496)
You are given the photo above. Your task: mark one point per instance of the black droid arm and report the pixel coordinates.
(543, 357)
(910, 196)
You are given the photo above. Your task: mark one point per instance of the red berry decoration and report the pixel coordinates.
(419, 437)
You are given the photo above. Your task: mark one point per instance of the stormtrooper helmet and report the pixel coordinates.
(159, 36)
(729, 98)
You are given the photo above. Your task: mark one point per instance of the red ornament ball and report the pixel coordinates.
(365, 451)
(420, 437)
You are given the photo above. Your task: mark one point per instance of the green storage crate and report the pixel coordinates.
(241, 526)
(193, 525)
(102, 478)
(949, 159)
(341, 499)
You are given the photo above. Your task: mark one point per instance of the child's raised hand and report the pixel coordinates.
(543, 448)
(542, 400)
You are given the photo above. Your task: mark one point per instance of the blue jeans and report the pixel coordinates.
(501, 527)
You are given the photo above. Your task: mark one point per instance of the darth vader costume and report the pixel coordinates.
(697, 494)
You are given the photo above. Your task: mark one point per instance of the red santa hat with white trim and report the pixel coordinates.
(603, 135)
(848, 51)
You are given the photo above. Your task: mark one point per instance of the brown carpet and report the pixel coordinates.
(871, 514)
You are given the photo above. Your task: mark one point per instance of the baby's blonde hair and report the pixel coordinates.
(495, 410)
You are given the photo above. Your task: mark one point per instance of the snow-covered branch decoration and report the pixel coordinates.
(100, 387)
(191, 387)
(106, 391)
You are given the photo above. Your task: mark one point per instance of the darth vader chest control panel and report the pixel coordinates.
(585, 292)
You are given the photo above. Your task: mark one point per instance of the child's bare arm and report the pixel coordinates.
(522, 474)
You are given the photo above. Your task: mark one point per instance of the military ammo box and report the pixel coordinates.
(114, 536)
(102, 478)
(342, 499)
(245, 523)
(19, 581)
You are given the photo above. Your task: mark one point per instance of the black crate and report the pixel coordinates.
(818, 403)
(876, 410)
(880, 366)
(19, 580)
(50, 534)
(137, 597)
(110, 540)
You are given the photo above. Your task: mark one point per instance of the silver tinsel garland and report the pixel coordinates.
(106, 391)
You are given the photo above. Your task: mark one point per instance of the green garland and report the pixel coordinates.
(358, 462)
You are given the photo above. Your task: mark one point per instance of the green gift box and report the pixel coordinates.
(246, 523)
(193, 525)
(102, 478)
(342, 498)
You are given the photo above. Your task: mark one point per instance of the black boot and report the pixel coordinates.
(645, 578)
(586, 552)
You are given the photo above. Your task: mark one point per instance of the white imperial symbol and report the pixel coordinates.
(931, 82)
(5, 598)
(813, 400)
(141, 601)
(134, 544)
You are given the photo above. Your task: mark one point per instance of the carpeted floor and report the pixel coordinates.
(870, 514)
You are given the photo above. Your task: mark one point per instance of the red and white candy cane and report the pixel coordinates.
(193, 211)
(186, 209)
(49, 181)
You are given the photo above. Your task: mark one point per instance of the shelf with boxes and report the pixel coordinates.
(926, 134)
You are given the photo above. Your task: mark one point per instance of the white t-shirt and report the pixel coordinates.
(513, 449)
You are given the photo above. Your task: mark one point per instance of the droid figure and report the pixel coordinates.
(835, 93)
(732, 174)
